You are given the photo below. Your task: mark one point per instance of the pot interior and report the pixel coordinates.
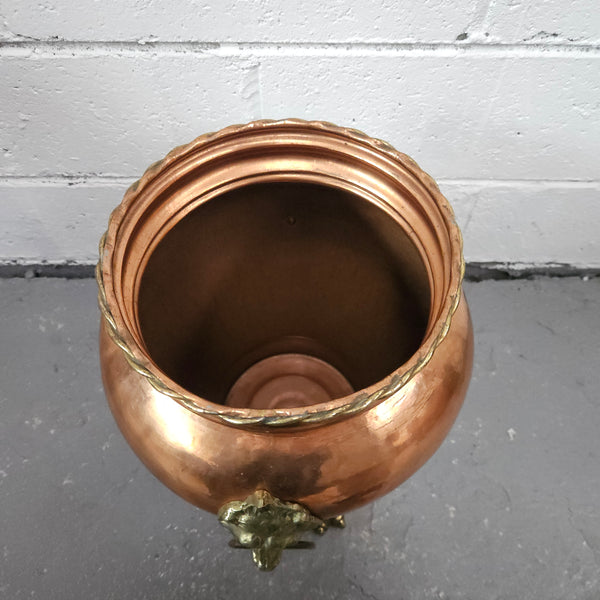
(283, 294)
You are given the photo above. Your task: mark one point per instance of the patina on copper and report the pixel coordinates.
(283, 312)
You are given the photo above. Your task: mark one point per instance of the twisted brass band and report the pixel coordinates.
(231, 417)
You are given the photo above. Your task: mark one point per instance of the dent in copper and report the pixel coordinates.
(282, 267)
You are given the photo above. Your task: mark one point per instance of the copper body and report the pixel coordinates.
(284, 269)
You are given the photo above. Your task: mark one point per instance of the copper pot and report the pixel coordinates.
(284, 336)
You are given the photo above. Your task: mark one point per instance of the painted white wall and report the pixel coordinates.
(498, 99)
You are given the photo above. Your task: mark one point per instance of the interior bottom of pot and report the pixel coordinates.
(280, 295)
(287, 381)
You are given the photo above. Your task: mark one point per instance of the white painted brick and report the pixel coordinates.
(461, 116)
(523, 223)
(528, 223)
(115, 114)
(389, 21)
(54, 222)
(482, 116)
(238, 20)
(546, 22)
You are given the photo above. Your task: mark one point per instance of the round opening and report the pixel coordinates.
(283, 294)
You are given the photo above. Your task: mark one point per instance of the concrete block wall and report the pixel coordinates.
(499, 100)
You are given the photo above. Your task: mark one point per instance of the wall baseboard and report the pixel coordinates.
(475, 271)
(482, 271)
(66, 270)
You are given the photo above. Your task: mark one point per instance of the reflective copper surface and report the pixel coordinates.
(283, 313)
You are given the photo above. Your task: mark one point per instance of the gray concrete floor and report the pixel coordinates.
(509, 507)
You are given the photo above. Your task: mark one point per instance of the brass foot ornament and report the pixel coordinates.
(267, 526)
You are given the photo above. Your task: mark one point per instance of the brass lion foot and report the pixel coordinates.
(268, 526)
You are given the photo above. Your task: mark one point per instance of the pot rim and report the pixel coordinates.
(316, 414)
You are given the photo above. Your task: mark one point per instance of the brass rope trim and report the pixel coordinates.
(362, 401)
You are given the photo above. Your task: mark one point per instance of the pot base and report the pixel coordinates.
(287, 381)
